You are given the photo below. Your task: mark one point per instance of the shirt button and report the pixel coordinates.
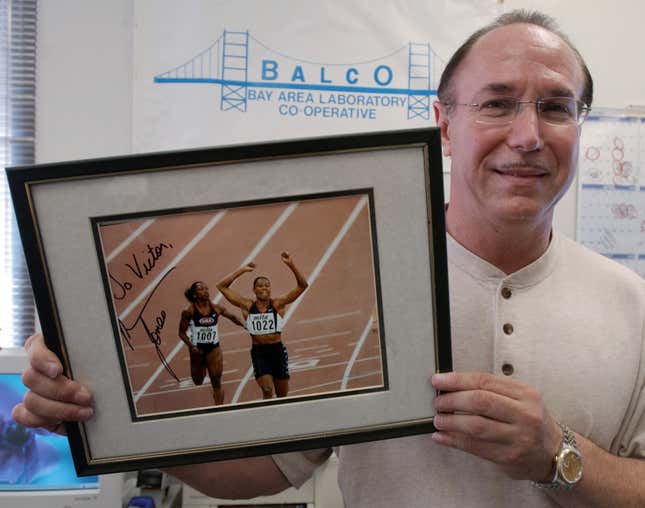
(506, 293)
(508, 328)
(507, 369)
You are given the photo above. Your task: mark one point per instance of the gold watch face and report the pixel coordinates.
(570, 465)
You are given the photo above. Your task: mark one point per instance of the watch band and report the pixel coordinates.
(570, 446)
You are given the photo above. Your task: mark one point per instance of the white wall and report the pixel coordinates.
(610, 36)
(83, 79)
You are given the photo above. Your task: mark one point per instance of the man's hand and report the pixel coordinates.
(497, 419)
(52, 398)
(249, 267)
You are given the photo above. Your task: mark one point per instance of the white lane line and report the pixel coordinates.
(315, 349)
(291, 392)
(297, 341)
(314, 275)
(369, 374)
(269, 234)
(327, 255)
(263, 241)
(138, 348)
(318, 337)
(355, 353)
(314, 357)
(129, 240)
(189, 246)
(240, 387)
(328, 318)
(187, 383)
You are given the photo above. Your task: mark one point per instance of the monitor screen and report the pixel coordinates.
(36, 466)
(32, 459)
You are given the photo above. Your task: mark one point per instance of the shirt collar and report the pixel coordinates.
(478, 268)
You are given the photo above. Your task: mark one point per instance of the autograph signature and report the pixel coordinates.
(140, 268)
(153, 332)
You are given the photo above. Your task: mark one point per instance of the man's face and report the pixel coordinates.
(504, 174)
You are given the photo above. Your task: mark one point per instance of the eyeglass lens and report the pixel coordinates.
(555, 110)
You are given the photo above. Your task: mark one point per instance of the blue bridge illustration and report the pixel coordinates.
(226, 63)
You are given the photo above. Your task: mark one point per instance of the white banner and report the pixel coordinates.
(233, 71)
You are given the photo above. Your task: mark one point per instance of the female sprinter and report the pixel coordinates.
(200, 319)
(264, 321)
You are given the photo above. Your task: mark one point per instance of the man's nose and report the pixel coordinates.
(525, 132)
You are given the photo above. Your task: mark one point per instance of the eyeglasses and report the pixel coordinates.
(502, 110)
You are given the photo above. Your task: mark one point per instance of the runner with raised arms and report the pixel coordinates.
(265, 321)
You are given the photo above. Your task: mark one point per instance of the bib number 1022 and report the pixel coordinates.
(262, 325)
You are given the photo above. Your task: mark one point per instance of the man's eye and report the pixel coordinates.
(497, 104)
(558, 107)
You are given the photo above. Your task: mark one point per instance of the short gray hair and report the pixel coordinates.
(446, 89)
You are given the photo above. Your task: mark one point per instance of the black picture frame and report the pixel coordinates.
(389, 263)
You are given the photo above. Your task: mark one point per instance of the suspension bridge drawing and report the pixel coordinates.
(248, 70)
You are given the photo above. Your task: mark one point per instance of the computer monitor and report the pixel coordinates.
(36, 467)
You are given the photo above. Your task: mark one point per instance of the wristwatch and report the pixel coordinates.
(567, 463)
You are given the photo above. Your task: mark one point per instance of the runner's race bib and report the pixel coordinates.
(205, 331)
(206, 336)
(261, 324)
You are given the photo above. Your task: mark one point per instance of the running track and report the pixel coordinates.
(332, 330)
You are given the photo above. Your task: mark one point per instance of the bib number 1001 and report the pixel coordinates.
(206, 336)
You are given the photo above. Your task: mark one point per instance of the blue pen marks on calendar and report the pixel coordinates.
(248, 72)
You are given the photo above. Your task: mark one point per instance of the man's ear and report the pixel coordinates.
(441, 117)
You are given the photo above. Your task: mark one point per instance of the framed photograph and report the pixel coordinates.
(242, 300)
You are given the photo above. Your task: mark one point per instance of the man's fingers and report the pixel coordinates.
(54, 411)
(60, 389)
(52, 398)
(474, 427)
(27, 419)
(41, 358)
(503, 400)
(479, 402)
(457, 381)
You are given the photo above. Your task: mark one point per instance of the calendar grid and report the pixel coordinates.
(611, 192)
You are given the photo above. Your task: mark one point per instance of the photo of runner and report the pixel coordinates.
(308, 281)
(200, 320)
(264, 321)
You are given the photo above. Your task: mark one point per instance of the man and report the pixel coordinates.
(547, 336)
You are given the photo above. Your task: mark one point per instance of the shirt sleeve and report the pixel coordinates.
(298, 467)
